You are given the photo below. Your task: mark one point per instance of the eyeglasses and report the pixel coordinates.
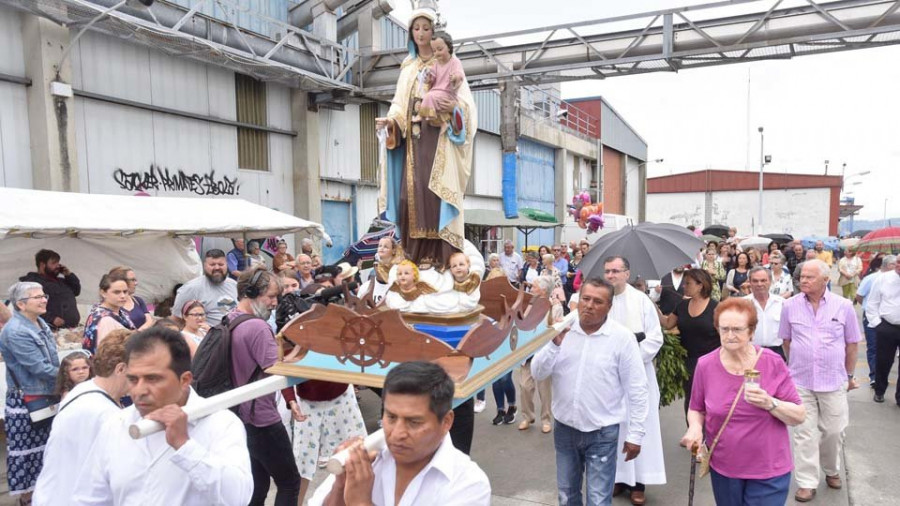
(197, 315)
(614, 271)
(43, 296)
(732, 330)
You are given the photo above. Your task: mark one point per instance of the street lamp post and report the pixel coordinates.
(761, 165)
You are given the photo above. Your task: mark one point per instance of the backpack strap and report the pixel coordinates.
(258, 372)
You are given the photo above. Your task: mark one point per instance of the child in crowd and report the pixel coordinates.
(74, 369)
(463, 280)
(443, 80)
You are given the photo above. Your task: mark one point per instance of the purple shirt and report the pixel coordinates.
(818, 340)
(252, 345)
(755, 445)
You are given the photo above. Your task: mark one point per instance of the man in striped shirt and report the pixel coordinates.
(820, 333)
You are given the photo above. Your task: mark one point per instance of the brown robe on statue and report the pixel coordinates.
(420, 208)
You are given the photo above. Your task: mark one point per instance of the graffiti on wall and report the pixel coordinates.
(162, 179)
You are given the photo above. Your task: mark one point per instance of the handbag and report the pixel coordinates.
(704, 455)
(41, 408)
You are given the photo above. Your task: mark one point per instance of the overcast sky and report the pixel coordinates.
(840, 107)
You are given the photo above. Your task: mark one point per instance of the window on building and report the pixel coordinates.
(253, 145)
(368, 143)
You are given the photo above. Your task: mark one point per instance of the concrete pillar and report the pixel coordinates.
(560, 188)
(369, 32)
(50, 118)
(305, 150)
(509, 135)
(324, 22)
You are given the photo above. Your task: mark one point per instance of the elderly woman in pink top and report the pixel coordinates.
(751, 464)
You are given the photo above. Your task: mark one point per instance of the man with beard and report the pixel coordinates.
(214, 288)
(253, 350)
(61, 285)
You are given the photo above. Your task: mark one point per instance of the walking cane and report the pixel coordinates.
(694, 449)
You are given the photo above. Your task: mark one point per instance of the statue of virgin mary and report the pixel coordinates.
(426, 172)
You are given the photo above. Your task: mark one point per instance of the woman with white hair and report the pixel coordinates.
(29, 349)
(493, 270)
(541, 287)
(256, 257)
(782, 283)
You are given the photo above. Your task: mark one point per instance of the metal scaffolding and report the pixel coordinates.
(667, 40)
(663, 41)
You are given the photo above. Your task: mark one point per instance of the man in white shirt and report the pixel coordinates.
(79, 420)
(883, 313)
(511, 262)
(419, 462)
(198, 462)
(768, 309)
(862, 298)
(598, 384)
(636, 312)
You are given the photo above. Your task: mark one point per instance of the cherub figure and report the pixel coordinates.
(463, 280)
(443, 81)
(407, 284)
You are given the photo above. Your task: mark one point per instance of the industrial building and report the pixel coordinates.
(102, 107)
(796, 204)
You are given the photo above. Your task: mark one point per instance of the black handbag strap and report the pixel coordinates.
(101, 392)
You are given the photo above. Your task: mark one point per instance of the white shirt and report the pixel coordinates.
(213, 467)
(74, 430)
(865, 286)
(884, 300)
(769, 320)
(594, 376)
(511, 265)
(450, 479)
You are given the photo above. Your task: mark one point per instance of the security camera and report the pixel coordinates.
(562, 114)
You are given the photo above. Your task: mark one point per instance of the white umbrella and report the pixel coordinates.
(755, 242)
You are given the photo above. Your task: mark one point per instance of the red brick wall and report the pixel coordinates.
(612, 181)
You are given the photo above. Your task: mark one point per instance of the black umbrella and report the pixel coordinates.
(859, 233)
(779, 238)
(652, 249)
(719, 230)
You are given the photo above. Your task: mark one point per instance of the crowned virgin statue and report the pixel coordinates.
(427, 164)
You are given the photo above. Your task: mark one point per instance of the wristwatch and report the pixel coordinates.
(775, 404)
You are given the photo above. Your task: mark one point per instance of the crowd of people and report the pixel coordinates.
(732, 310)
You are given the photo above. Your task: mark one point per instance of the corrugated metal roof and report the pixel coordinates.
(735, 180)
(488, 104)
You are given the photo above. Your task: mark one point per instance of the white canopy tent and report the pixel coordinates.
(93, 233)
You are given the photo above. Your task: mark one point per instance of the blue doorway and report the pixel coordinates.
(338, 222)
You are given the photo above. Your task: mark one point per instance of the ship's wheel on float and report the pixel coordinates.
(362, 343)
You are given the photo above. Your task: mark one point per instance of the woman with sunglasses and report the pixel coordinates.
(195, 326)
(32, 362)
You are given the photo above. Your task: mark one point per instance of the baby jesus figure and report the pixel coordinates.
(463, 280)
(407, 284)
(443, 81)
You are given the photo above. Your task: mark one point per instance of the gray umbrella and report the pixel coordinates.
(652, 249)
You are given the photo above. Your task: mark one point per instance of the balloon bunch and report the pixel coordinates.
(588, 216)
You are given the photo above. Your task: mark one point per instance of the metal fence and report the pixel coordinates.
(546, 106)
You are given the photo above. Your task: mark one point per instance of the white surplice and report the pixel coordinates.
(212, 468)
(636, 311)
(74, 430)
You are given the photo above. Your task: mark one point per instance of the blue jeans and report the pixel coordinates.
(871, 344)
(503, 388)
(592, 454)
(738, 492)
